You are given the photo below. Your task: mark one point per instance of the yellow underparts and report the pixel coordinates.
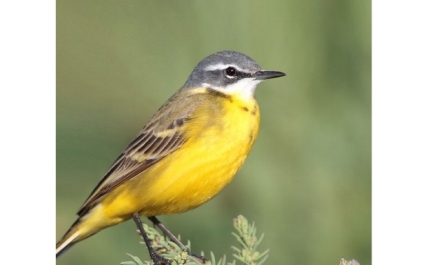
(220, 136)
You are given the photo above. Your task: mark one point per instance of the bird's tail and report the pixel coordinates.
(69, 239)
(87, 225)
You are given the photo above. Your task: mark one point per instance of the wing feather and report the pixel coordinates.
(159, 138)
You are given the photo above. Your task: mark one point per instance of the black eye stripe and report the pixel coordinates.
(238, 75)
(242, 74)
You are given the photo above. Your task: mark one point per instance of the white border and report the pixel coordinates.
(27, 140)
(400, 132)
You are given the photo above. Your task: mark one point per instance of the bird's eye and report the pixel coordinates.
(230, 72)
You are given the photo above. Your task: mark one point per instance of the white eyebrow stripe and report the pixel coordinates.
(221, 66)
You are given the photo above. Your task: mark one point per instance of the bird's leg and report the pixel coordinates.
(166, 231)
(172, 237)
(158, 260)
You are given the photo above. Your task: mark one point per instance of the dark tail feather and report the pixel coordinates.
(69, 239)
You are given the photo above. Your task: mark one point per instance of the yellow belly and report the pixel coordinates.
(196, 172)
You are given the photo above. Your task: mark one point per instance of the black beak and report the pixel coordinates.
(263, 75)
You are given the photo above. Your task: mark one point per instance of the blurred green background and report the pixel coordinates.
(307, 181)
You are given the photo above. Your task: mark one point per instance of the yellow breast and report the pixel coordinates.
(220, 136)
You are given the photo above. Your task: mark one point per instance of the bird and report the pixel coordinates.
(189, 150)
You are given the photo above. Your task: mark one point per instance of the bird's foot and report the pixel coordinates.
(158, 260)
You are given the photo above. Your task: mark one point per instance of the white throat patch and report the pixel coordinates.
(243, 89)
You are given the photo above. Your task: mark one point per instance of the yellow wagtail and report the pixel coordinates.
(185, 155)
